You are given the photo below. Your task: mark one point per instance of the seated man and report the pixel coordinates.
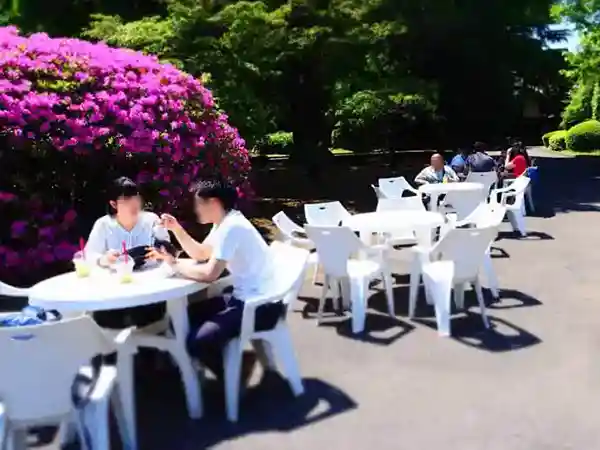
(437, 172)
(233, 244)
(459, 163)
(479, 160)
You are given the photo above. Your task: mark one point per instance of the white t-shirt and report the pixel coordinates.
(107, 234)
(239, 244)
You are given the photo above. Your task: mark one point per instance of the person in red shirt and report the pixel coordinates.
(517, 160)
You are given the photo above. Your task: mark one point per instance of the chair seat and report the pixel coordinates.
(362, 268)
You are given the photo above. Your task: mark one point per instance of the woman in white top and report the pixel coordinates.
(126, 223)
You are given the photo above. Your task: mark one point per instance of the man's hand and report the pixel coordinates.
(170, 222)
(109, 258)
(161, 254)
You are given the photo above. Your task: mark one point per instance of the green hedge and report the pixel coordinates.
(557, 141)
(584, 137)
(546, 137)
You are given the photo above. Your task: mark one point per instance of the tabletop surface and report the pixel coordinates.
(391, 219)
(103, 290)
(446, 187)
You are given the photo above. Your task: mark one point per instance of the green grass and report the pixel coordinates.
(574, 153)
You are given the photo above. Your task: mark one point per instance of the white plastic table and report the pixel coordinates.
(421, 222)
(102, 291)
(434, 190)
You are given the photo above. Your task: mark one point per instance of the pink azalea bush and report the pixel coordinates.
(73, 115)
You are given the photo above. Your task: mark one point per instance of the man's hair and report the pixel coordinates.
(480, 147)
(122, 187)
(216, 188)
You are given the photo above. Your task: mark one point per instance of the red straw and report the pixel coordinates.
(125, 251)
(82, 246)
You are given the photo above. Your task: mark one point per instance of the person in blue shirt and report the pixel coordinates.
(459, 162)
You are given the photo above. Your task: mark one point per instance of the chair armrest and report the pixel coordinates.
(123, 336)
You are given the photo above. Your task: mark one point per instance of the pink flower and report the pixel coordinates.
(18, 229)
(7, 197)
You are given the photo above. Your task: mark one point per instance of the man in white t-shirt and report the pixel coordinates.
(234, 245)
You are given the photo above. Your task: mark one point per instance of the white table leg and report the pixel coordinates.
(433, 201)
(177, 312)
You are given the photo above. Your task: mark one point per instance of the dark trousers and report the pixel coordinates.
(216, 321)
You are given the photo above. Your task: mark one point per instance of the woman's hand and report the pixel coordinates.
(109, 258)
(160, 255)
(169, 222)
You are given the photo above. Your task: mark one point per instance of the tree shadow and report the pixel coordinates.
(268, 406)
(380, 327)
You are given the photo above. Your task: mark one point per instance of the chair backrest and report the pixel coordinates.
(39, 364)
(335, 246)
(394, 187)
(465, 202)
(487, 215)
(488, 179)
(378, 192)
(328, 214)
(11, 291)
(291, 232)
(467, 248)
(413, 203)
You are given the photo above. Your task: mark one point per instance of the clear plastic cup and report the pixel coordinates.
(82, 266)
(124, 269)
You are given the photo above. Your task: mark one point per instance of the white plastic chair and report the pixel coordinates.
(290, 263)
(486, 215)
(11, 291)
(462, 253)
(463, 203)
(515, 210)
(40, 365)
(378, 192)
(293, 234)
(336, 247)
(328, 214)
(488, 179)
(395, 187)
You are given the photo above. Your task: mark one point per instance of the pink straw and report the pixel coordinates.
(125, 251)
(82, 247)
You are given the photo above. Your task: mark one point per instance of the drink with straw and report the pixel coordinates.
(124, 266)
(82, 266)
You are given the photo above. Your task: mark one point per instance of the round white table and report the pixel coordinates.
(103, 291)
(421, 222)
(434, 190)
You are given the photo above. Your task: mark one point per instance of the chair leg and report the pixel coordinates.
(315, 273)
(479, 292)
(232, 361)
(389, 292)
(459, 296)
(323, 298)
(265, 354)
(346, 294)
(284, 350)
(490, 273)
(415, 280)
(358, 291)
(126, 388)
(96, 425)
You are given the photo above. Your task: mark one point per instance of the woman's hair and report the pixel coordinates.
(219, 189)
(520, 149)
(122, 187)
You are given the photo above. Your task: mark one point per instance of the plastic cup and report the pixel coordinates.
(124, 269)
(82, 266)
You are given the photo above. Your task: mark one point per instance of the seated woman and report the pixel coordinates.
(126, 223)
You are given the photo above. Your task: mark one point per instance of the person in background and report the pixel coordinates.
(479, 160)
(234, 245)
(436, 172)
(125, 222)
(517, 161)
(460, 163)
